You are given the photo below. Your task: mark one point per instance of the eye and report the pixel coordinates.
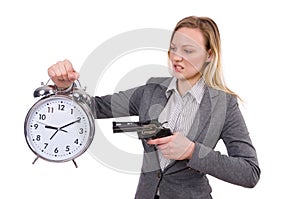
(188, 51)
(172, 48)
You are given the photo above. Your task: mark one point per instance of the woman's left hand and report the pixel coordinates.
(174, 147)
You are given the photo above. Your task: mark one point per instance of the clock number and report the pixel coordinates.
(42, 116)
(61, 107)
(67, 148)
(76, 141)
(46, 144)
(72, 111)
(50, 109)
(81, 131)
(36, 126)
(56, 150)
(38, 138)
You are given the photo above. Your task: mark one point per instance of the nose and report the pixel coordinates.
(176, 57)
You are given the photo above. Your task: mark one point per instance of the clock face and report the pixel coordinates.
(58, 129)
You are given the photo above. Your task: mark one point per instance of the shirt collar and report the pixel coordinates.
(196, 91)
(172, 87)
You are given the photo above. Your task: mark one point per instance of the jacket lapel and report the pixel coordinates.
(159, 101)
(198, 130)
(202, 117)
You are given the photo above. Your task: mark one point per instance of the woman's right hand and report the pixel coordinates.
(63, 74)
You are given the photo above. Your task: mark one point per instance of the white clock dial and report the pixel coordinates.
(58, 129)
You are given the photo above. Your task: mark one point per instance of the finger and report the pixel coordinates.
(54, 73)
(166, 153)
(55, 70)
(72, 74)
(163, 147)
(62, 71)
(160, 141)
(51, 72)
(68, 65)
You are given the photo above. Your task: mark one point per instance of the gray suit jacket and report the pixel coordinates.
(187, 178)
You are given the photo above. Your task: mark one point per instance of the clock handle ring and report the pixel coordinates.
(76, 83)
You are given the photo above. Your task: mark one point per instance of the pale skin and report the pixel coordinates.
(187, 57)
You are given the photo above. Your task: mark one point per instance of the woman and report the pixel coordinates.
(198, 108)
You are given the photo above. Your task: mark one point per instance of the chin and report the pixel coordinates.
(176, 74)
(179, 76)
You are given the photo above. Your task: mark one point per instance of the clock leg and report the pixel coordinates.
(75, 163)
(37, 157)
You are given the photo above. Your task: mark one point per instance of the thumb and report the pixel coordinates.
(73, 76)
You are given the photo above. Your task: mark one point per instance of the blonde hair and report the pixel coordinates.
(213, 74)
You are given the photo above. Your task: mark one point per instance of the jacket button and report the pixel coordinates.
(158, 175)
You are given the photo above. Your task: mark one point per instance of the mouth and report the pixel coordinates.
(178, 68)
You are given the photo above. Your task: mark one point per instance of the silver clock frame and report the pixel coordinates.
(74, 93)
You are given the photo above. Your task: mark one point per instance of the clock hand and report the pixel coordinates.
(78, 120)
(51, 127)
(55, 128)
(60, 129)
(54, 134)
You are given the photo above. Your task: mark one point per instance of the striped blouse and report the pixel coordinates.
(180, 111)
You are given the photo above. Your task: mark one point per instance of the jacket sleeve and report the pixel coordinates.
(121, 104)
(240, 166)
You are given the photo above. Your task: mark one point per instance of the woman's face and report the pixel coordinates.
(188, 54)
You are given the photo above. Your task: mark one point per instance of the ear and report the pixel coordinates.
(209, 56)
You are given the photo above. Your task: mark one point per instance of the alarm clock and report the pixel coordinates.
(60, 126)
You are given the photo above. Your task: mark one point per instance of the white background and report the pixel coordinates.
(261, 60)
